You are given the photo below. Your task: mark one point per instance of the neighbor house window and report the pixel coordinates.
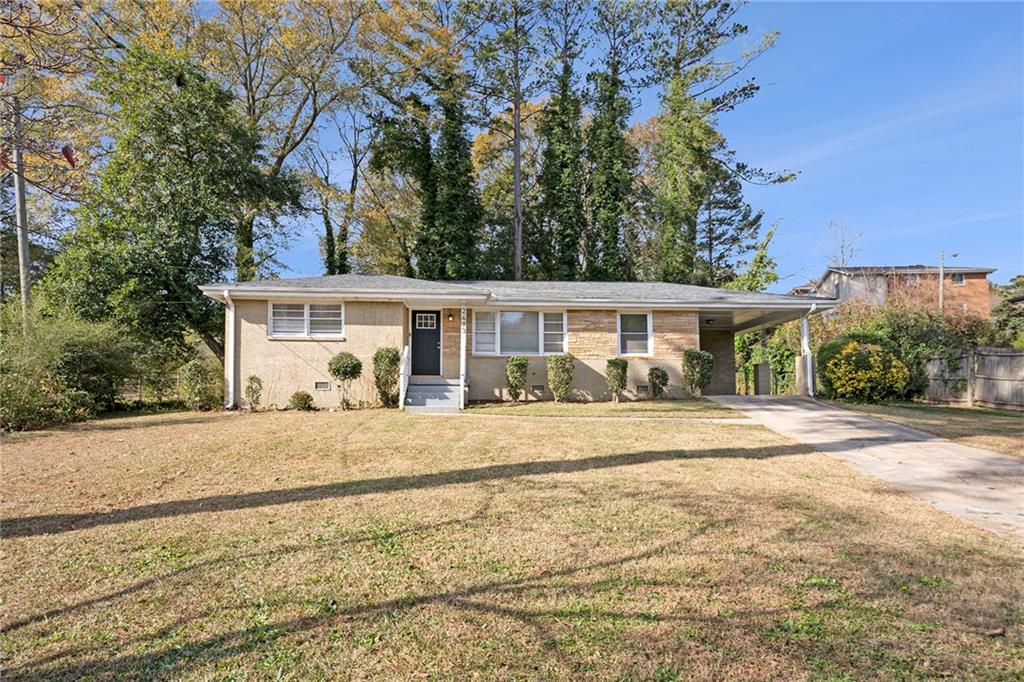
(306, 319)
(513, 332)
(634, 334)
(959, 279)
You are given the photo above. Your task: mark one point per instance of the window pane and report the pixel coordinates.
(484, 322)
(288, 319)
(553, 343)
(519, 333)
(633, 324)
(552, 322)
(485, 342)
(633, 343)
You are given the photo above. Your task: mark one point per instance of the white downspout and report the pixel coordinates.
(805, 348)
(462, 358)
(229, 352)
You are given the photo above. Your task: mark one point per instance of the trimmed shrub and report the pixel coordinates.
(301, 400)
(615, 374)
(345, 368)
(385, 374)
(831, 348)
(865, 372)
(657, 378)
(195, 381)
(515, 375)
(560, 369)
(253, 391)
(697, 366)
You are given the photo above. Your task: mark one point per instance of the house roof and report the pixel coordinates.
(906, 269)
(870, 270)
(497, 292)
(719, 309)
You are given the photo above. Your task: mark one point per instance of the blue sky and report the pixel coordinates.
(904, 120)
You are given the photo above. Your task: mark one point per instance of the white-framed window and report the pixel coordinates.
(426, 320)
(635, 336)
(306, 320)
(519, 332)
(959, 279)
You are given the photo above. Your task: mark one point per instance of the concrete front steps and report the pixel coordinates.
(432, 395)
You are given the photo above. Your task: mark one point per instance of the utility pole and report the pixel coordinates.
(942, 280)
(21, 214)
(20, 207)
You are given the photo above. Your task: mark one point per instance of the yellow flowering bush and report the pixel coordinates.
(865, 372)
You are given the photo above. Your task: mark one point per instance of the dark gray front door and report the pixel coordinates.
(426, 342)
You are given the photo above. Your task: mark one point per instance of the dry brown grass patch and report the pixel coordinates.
(378, 544)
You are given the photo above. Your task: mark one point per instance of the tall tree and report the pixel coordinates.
(288, 63)
(388, 215)
(727, 228)
(622, 27)
(507, 56)
(694, 163)
(160, 220)
(318, 181)
(448, 250)
(561, 219)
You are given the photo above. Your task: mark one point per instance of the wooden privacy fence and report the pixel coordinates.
(993, 377)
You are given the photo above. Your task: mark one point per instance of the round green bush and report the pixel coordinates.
(865, 372)
(195, 381)
(345, 368)
(385, 374)
(829, 349)
(697, 366)
(560, 369)
(657, 378)
(301, 400)
(515, 375)
(615, 374)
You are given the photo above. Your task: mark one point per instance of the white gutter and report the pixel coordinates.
(230, 398)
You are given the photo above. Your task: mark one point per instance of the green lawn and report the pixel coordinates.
(678, 409)
(373, 544)
(1000, 430)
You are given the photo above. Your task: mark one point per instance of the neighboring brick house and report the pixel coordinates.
(456, 337)
(966, 289)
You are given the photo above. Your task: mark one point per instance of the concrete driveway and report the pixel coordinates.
(980, 486)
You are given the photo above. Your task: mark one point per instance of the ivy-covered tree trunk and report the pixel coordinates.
(561, 180)
(245, 254)
(448, 249)
(330, 251)
(612, 164)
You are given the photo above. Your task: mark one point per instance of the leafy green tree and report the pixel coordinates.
(1009, 316)
(610, 156)
(448, 248)
(561, 214)
(159, 222)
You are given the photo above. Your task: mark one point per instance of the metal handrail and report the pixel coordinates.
(404, 372)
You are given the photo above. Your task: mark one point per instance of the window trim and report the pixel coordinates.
(650, 333)
(307, 335)
(540, 332)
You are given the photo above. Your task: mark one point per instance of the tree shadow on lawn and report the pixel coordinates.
(28, 526)
(767, 630)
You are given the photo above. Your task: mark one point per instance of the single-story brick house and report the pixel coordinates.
(455, 337)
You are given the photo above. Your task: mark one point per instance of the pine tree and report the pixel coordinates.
(561, 180)
(448, 250)
(727, 227)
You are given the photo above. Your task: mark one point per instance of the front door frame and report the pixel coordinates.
(440, 330)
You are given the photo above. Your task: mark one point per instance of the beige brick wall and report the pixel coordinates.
(289, 365)
(592, 336)
(723, 375)
(973, 296)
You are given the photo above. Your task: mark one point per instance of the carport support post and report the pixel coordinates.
(805, 349)
(462, 358)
